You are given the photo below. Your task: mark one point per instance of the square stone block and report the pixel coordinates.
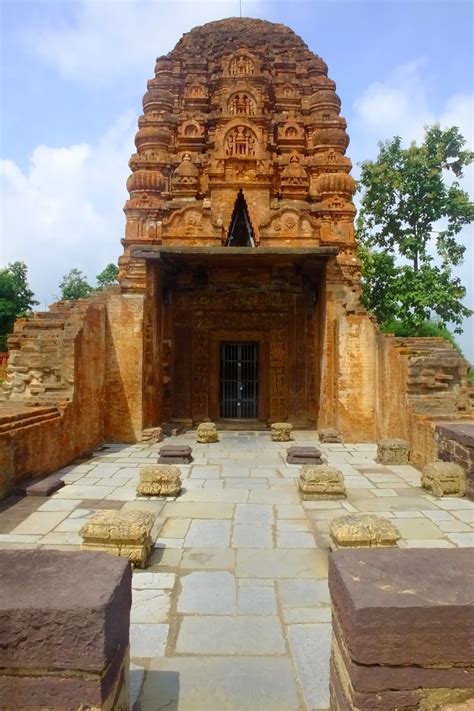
(304, 455)
(175, 454)
(159, 480)
(329, 435)
(444, 478)
(64, 630)
(123, 533)
(321, 481)
(281, 431)
(206, 433)
(361, 530)
(405, 607)
(393, 451)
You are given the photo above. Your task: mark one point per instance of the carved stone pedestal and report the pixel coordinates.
(363, 531)
(281, 431)
(159, 480)
(329, 435)
(207, 433)
(175, 454)
(444, 478)
(393, 451)
(304, 455)
(126, 534)
(321, 482)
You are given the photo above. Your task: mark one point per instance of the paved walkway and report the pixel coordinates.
(233, 613)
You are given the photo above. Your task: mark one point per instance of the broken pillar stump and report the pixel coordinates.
(159, 480)
(206, 433)
(64, 630)
(152, 435)
(362, 531)
(122, 533)
(281, 431)
(444, 478)
(329, 435)
(402, 629)
(393, 451)
(304, 455)
(175, 454)
(321, 482)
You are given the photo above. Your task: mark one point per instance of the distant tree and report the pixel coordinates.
(107, 276)
(74, 285)
(407, 226)
(16, 298)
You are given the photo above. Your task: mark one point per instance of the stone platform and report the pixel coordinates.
(236, 586)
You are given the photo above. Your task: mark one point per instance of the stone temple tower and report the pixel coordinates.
(239, 285)
(239, 232)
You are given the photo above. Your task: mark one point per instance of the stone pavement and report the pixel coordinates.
(233, 613)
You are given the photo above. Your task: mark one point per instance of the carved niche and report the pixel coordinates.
(242, 65)
(190, 222)
(240, 142)
(242, 104)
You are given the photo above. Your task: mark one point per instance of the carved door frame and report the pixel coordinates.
(218, 337)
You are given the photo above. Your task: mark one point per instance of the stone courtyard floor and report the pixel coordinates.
(233, 612)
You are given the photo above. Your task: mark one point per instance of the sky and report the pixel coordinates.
(73, 74)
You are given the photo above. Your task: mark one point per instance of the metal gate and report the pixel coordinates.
(239, 380)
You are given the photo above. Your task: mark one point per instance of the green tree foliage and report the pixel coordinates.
(74, 285)
(16, 298)
(411, 213)
(107, 276)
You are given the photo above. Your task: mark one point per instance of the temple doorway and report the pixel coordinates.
(239, 381)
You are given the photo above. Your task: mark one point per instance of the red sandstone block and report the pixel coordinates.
(63, 610)
(405, 606)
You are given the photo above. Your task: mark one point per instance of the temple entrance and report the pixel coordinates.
(239, 381)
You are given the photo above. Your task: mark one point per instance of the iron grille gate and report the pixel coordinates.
(239, 380)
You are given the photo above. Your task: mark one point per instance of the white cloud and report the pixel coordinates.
(104, 40)
(402, 105)
(65, 209)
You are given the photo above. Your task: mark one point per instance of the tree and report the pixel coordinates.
(107, 276)
(16, 298)
(74, 285)
(409, 219)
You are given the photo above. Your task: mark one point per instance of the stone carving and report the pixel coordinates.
(159, 480)
(281, 431)
(363, 531)
(393, 451)
(206, 433)
(241, 66)
(444, 478)
(240, 142)
(242, 104)
(123, 533)
(152, 435)
(321, 482)
(328, 435)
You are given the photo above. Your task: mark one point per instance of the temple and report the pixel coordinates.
(239, 294)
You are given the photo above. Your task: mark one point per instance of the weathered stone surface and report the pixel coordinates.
(329, 435)
(123, 533)
(392, 604)
(321, 482)
(175, 454)
(393, 451)
(153, 435)
(304, 455)
(444, 478)
(159, 480)
(64, 630)
(363, 531)
(45, 486)
(281, 431)
(206, 433)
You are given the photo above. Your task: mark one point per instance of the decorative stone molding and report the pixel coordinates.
(126, 534)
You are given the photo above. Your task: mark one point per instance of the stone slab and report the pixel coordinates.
(220, 684)
(281, 563)
(310, 647)
(41, 487)
(243, 634)
(393, 604)
(49, 617)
